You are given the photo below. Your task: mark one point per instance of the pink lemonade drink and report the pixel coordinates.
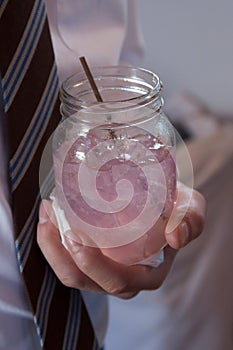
(116, 186)
(114, 165)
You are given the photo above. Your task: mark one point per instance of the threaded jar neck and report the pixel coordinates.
(122, 88)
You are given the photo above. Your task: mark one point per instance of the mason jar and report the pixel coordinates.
(114, 164)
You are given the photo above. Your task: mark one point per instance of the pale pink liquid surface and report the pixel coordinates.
(123, 166)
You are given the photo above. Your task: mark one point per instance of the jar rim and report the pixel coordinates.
(148, 80)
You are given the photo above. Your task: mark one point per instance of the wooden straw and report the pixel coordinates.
(94, 88)
(90, 79)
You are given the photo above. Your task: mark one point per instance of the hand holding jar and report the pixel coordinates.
(115, 170)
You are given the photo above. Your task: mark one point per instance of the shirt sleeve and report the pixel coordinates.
(106, 32)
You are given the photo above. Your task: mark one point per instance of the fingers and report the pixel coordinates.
(58, 257)
(118, 279)
(87, 268)
(190, 214)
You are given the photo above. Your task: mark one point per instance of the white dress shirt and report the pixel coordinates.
(105, 32)
(17, 330)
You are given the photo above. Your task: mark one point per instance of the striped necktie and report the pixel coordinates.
(30, 95)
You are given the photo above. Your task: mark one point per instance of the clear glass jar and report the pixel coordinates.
(114, 164)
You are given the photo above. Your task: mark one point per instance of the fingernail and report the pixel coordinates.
(184, 233)
(72, 245)
(43, 213)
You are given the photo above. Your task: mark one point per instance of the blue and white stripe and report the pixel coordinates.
(25, 238)
(29, 143)
(23, 54)
(73, 322)
(3, 4)
(43, 304)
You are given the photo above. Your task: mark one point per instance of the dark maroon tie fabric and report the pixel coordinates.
(31, 110)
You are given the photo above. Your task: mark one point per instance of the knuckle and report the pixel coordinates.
(40, 238)
(67, 281)
(71, 281)
(156, 285)
(116, 287)
(156, 280)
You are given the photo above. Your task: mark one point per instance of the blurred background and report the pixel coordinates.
(189, 44)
